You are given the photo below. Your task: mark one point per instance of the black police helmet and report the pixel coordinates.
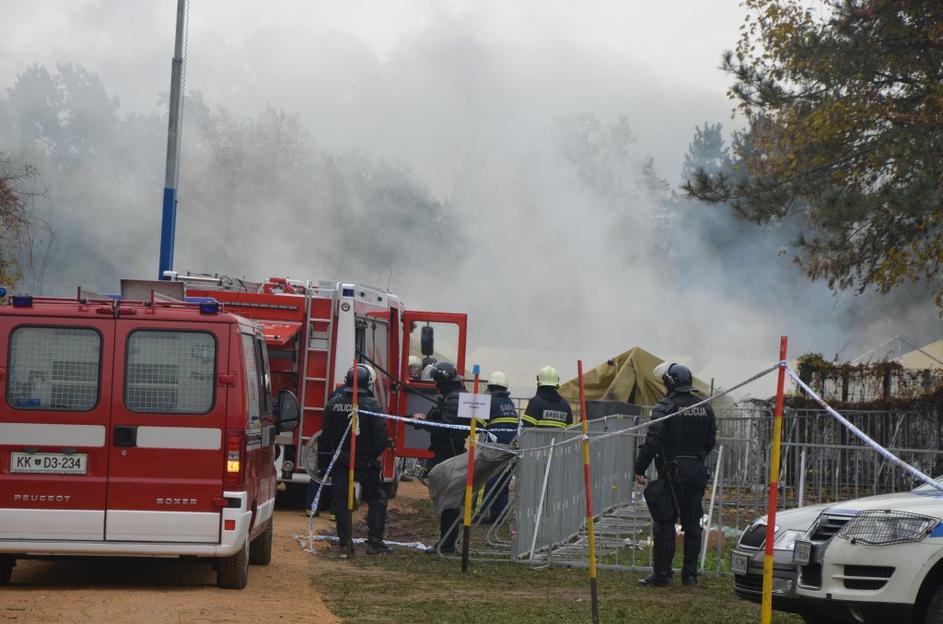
(363, 377)
(678, 378)
(445, 371)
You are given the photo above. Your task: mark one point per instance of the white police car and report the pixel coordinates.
(746, 559)
(875, 559)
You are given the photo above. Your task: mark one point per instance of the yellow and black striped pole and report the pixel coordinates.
(469, 481)
(590, 530)
(354, 426)
(766, 607)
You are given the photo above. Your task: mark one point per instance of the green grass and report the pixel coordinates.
(415, 588)
(422, 589)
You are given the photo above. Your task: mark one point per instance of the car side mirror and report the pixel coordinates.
(287, 411)
(427, 340)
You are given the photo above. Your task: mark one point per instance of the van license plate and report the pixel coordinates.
(49, 463)
(739, 563)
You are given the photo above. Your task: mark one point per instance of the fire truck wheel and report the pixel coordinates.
(260, 550)
(233, 572)
(7, 563)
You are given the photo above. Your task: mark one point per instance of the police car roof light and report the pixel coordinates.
(209, 307)
(22, 301)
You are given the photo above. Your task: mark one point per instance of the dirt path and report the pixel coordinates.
(169, 591)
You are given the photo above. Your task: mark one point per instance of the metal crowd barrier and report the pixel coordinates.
(545, 520)
(550, 503)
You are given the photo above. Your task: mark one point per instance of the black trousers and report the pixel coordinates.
(689, 478)
(368, 475)
(447, 538)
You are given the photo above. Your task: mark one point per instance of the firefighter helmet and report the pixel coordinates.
(547, 376)
(445, 371)
(497, 379)
(676, 377)
(363, 377)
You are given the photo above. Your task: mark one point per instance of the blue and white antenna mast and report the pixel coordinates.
(169, 218)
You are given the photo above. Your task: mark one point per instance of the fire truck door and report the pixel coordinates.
(55, 400)
(166, 448)
(448, 331)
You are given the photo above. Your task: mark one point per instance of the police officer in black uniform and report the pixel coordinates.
(445, 443)
(679, 446)
(371, 442)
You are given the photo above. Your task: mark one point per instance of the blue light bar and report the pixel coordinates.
(209, 307)
(3, 291)
(22, 301)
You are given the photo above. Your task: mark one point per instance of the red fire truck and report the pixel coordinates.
(136, 427)
(313, 331)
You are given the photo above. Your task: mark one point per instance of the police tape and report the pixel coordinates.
(716, 395)
(886, 454)
(578, 437)
(357, 540)
(317, 496)
(415, 422)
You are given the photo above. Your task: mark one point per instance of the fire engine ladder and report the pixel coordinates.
(322, 344)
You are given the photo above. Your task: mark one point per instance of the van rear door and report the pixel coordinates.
(165, 482)
(54, 414)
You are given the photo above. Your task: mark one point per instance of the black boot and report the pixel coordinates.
(447, 537)
(377, 548)
(692, 550)
(655, 580)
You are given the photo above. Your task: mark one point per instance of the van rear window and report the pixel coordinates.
(54, 368)
(170, 372)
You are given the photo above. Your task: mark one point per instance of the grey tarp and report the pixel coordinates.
(447, 480)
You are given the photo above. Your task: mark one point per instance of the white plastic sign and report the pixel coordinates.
(476, 406)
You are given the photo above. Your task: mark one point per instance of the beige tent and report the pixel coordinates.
(628, 377)
(929, 356)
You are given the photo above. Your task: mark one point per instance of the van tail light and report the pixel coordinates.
(235, 455)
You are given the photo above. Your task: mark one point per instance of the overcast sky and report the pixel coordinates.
(416, 81)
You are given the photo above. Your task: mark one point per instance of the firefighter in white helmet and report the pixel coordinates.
(502, 424)
(415, 367)
(547, 409)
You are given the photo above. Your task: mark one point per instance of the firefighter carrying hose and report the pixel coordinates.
(547, 409)
(445, 443)
(371, 442)
(679, 446)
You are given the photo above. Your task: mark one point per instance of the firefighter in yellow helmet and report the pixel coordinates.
(547, 409)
